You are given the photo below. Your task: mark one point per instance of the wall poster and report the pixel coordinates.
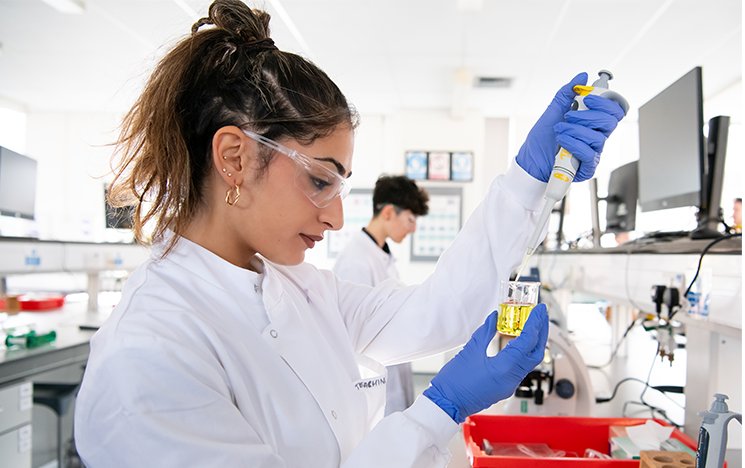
(439, 166)
(461, 166)
(416, 165)
(437, 230)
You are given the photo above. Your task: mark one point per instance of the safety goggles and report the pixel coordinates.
(319, 183)
(408, 217)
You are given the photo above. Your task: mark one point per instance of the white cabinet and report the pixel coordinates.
(16, 401)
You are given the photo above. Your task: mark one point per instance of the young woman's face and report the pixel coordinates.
(281, 221)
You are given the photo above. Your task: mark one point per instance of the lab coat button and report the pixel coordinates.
(333, 413)
(273, 333)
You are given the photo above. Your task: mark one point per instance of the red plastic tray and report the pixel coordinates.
(571, 434)
(34, 303)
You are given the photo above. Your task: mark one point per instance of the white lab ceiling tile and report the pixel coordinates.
(387, 55)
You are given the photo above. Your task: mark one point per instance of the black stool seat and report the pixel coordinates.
(58, 397)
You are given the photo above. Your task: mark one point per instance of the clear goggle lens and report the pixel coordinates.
(320, 184)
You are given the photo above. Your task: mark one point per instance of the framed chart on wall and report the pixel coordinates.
(358, 211)
(438, 167)
(416, 165)
(437, 230)
(454, 166)
(461, 166)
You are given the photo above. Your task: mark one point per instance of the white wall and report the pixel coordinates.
(73, 155)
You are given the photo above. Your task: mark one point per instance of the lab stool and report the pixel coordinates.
(59, 398)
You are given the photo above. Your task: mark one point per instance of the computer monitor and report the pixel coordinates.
(17, 184)
(671, 146)
(678, 166)
(620, 213)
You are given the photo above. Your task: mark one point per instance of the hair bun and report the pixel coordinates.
(236, 18)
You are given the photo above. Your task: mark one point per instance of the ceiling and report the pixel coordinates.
(388, 55)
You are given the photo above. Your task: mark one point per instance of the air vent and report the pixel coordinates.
(493, 82)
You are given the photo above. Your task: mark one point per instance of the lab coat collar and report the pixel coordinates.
(385, 247)
(386, 258)
(242, 285)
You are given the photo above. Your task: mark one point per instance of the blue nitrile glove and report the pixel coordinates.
(472, 381)
(584, 132)
(583, 135)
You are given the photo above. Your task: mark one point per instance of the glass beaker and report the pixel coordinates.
(516, 300)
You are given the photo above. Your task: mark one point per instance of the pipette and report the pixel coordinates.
(565, 164)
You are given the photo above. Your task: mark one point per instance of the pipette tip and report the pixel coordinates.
(524, 263)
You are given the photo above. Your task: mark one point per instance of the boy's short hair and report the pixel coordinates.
(401, 192)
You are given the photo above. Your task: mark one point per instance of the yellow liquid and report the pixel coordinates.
(512, 317)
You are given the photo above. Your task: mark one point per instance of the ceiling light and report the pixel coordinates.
(462, 85)
(67, 6)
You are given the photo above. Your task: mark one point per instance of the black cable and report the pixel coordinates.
(626, 277)
(661, 388)
(618, 345)
(649, 374)
(700, 261)
(670, 388)
(652, 409)
(641, 397)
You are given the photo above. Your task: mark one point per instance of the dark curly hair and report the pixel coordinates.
(401, 192)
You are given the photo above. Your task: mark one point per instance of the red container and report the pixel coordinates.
(571, 434)
(40, 303)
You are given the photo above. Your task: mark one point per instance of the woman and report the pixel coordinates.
(226, 349)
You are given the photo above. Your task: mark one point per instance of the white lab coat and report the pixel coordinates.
(206, 364)
(363, 261)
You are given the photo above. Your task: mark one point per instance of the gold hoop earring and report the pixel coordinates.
(237, 195)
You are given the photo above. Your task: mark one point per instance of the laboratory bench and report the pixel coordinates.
(29, 256)
(44, 379)
(623, 278)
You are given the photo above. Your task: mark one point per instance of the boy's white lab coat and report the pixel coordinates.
(206, 364)
(362, 261)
